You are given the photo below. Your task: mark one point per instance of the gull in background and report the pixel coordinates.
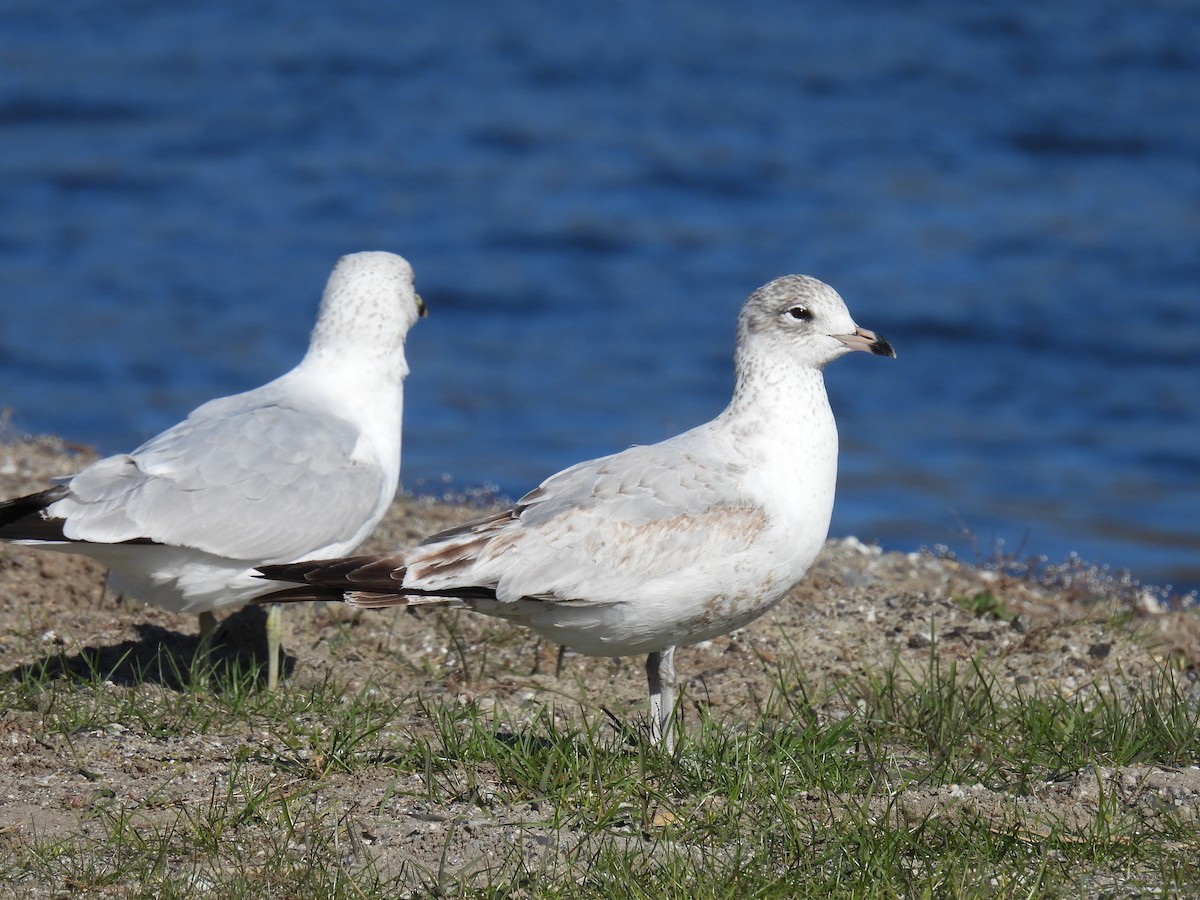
(303, 466)
(657, 546)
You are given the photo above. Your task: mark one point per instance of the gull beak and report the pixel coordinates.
(422, 311)
(867, 341)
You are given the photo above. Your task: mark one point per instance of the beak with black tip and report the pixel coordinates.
(867, 341)
(422, 311)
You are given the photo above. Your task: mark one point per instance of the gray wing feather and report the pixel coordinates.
(261, 482)
(639, 485)
(597, 530)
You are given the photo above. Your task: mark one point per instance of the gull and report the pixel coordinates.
(304, 466)
(657, 546)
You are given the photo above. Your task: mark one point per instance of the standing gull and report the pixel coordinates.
(657, 546)
(303, 466)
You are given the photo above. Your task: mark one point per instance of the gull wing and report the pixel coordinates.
(257, 482)
(599, 530)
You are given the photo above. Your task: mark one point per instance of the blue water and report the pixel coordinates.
(1012, 196)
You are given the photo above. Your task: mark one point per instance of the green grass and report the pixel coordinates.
(860, 791)
(986, 604)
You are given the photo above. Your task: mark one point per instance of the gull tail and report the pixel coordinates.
(305, 594)
(371, 600)
(369, 582)
(24, 518)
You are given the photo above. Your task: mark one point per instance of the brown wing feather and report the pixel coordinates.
(487, 525)
(384, 573)
(372, 582)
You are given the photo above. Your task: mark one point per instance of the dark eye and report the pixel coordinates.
(803, 313)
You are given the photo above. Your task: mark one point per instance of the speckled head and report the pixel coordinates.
(368, 306)
(809, 318)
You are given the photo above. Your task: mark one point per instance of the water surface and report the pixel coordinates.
(1011, 196)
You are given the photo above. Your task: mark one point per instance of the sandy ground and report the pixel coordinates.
(857, 609)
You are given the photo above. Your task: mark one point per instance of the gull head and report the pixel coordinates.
(368, 306)
(805, 319)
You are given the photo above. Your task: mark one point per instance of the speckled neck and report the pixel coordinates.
(366, 312)
(781, 402)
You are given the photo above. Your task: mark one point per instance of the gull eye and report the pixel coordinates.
(801, 313)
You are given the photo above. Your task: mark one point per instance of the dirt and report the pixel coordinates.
(1070, 629)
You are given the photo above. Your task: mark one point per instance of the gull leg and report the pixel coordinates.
(274, 635)
(208, 626)
(208, 631)
(660, 675)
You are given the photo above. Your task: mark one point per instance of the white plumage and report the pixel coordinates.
(657, 546)
(304, 465)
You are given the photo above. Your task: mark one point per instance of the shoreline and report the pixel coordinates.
(110, 715)
(1016, 590)
(29, 463)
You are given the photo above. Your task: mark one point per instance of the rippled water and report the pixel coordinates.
(1012, 197)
